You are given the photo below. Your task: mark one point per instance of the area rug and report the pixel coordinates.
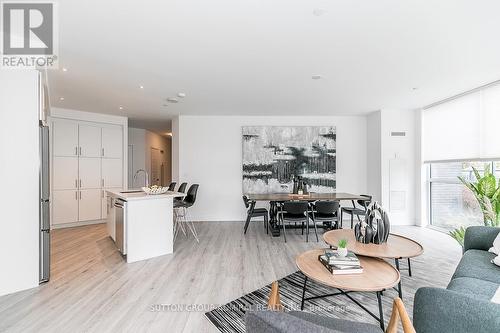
(230, 318)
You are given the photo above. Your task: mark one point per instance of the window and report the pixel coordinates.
(451, 204)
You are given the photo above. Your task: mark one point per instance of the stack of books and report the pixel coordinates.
(337, 265)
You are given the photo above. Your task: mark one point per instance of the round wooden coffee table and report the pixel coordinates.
(397, 247)
(377, 276)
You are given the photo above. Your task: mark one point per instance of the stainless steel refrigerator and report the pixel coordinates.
(44, 183)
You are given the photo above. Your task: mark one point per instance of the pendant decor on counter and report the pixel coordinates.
(376, 226)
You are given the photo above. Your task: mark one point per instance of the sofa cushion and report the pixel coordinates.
(280, 322)
(477, 264)
(474, 287)
(340, 325)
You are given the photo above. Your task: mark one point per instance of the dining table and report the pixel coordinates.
(275, 198)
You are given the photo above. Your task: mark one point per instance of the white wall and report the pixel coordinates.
(137, 139)
(19, 198)
(402, 149)
(210, 152)
(374, 155)
(142, 141)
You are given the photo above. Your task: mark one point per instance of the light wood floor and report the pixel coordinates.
(93, 290)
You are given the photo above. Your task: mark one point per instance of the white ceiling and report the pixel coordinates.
(256, 57)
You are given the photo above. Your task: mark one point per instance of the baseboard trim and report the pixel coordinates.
(76, 224)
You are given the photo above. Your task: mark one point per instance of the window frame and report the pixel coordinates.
(430, 180)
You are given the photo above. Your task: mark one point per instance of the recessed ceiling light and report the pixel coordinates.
(142, 87)
(165, 105)
(316, 77)
(172, 100)
(121, 107)
(414, 88)
(319, 12)
(61, 98)
(65, 69)
(181, 95)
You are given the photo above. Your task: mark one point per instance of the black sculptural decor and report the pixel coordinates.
(376, 226)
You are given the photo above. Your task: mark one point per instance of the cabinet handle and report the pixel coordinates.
(80, 195)
(76, 151)
(102, 152)
(76, 183)
(80, 183)
(76, 195)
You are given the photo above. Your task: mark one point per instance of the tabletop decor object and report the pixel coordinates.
(376, 226)
(155, 189)
(342, 248)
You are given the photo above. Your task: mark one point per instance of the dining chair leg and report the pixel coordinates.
(246, 224)
(352, 221)
(284, 233)
(341, 219)
(359, 219)
(315, 230)
(266, 222)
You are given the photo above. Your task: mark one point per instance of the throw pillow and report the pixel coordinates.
(496, 246)
(496, 260)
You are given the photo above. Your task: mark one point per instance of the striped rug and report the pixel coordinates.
(229, 318)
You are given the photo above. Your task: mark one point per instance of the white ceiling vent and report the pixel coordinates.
(398, 133)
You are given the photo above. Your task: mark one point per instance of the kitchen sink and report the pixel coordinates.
(132, 191)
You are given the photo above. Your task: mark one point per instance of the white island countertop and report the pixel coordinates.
(137, 194)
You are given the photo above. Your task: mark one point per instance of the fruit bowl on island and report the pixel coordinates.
(155, 189)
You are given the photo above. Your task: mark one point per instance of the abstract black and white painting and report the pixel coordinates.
(274, 155)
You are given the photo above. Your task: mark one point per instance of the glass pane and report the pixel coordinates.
(453, 205)
(497, 169)
(452, 170)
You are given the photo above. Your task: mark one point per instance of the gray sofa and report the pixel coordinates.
(465, 305)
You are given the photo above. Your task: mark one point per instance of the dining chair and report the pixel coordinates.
(181, 210)
(296, 211)
(182, 187)
(171, 187)
(255, 212)
(325, 211)
(356, 210)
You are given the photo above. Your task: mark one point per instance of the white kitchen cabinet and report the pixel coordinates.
(107, 202)
(112, 173)
(112, 142)
(90, 173)
(87, 159)
(89, 139)
(89, 208)
(65, 206)
(65, 138)
(65, 173)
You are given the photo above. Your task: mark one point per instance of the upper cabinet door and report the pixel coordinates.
(90, 141)
(65, 138)
(90, 173)
(112, 139)
(112, 173)
(65, 173)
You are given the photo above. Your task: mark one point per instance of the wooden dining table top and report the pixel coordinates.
(337, 196)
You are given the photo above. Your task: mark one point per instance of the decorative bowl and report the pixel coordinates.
(152, 190)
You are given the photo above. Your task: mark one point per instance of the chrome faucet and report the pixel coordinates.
(146, 179)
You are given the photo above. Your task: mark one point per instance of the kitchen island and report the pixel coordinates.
(141, 225)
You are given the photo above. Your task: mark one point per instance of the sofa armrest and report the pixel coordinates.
(480, 237)
(447, 311)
